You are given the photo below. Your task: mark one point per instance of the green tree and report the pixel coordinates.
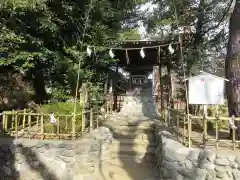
(208, 20)
(45, 40)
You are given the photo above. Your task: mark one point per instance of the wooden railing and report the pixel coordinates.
(27, 124)
(193, 130)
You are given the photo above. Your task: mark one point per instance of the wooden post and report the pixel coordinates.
(234, 133)
(58, 126)
(106, 109)
(24, 118)
(83, 122)
(97, 117)
(12, 120)
(177, 116)
(29, 124)
(204, 125)
(3, 122)
(217, 119)
(73, 125)
(217, 138)
(184, 129)
(37, 120)
(16, 124)
(42, 127)
(205, 132)
(189, 130)
(6, 121)
(91, 119)
(66, 125)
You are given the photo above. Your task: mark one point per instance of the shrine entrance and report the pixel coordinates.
(141, 60)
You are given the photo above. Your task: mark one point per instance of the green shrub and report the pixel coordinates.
(210, 125)
(65, 108)
(59, 95)
(65, 123)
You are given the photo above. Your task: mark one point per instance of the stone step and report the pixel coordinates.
(133, 131)
(133, 147)
(133, 128)
(138, 152)
(139, 136)
(144, 158)
(133, 142)
(126, 122)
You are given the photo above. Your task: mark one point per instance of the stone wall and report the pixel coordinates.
(177, 162)
(53, 160)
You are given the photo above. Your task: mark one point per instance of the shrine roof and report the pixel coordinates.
(129, 56)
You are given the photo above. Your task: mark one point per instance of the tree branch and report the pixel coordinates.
(221, 20)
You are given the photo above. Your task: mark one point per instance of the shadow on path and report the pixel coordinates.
(136, 166)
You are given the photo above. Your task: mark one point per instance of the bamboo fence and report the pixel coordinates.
(182, 126)
(34, 125)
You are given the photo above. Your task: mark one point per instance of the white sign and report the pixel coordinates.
(206, 89)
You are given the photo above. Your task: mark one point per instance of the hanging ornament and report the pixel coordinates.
(127, 57)
(89, 51)
(142, 53)
(170, 49)
(111, 54)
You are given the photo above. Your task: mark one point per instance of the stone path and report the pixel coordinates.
(132, 153)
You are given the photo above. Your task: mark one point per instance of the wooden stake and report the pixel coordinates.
(189, 130)
(234, 133)
(15, 115)
(42, 127)
(74, 125)
(97, 117)
(83, 122)
(4, 122)
(24, 118)
(29, 125)
(217, 119)
(204, 125)
(91, 119)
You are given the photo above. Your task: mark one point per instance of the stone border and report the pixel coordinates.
(176, 162)
(57, 160)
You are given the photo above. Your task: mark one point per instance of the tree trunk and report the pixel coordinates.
(232, 63)
(39, 83)
(39, 87)
(198, 38)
